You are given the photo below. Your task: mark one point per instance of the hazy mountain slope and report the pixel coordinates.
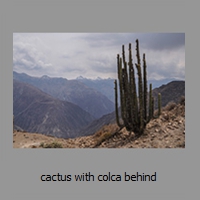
(36, 111)
(98, 124)
(105, 86)
(171, 92)
(73, 91)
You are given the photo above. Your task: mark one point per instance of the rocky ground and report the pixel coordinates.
(167, 131)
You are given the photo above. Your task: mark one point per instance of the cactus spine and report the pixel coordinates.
(134, 104)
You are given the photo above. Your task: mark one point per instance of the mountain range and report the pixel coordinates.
(71, 108)
(89, 99)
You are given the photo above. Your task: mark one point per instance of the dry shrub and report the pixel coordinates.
(181, 145)
(111, 128)
(98, 134)
(182, 100)
(104, 136)
(105, 133)
(170, 106)
(42, 144)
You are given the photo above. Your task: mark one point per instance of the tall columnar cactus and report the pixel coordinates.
(134, 105)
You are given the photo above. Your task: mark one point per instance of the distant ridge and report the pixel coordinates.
(171, 92)
(73, 91)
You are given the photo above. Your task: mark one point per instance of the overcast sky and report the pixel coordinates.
(93, 55)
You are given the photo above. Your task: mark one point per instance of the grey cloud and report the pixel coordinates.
(28, 56)
(94, 54)
(161, 71)
(162, 41)
(154, 41)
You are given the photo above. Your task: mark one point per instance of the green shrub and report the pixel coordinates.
(51, 145)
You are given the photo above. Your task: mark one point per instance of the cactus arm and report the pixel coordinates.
(145, 87)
